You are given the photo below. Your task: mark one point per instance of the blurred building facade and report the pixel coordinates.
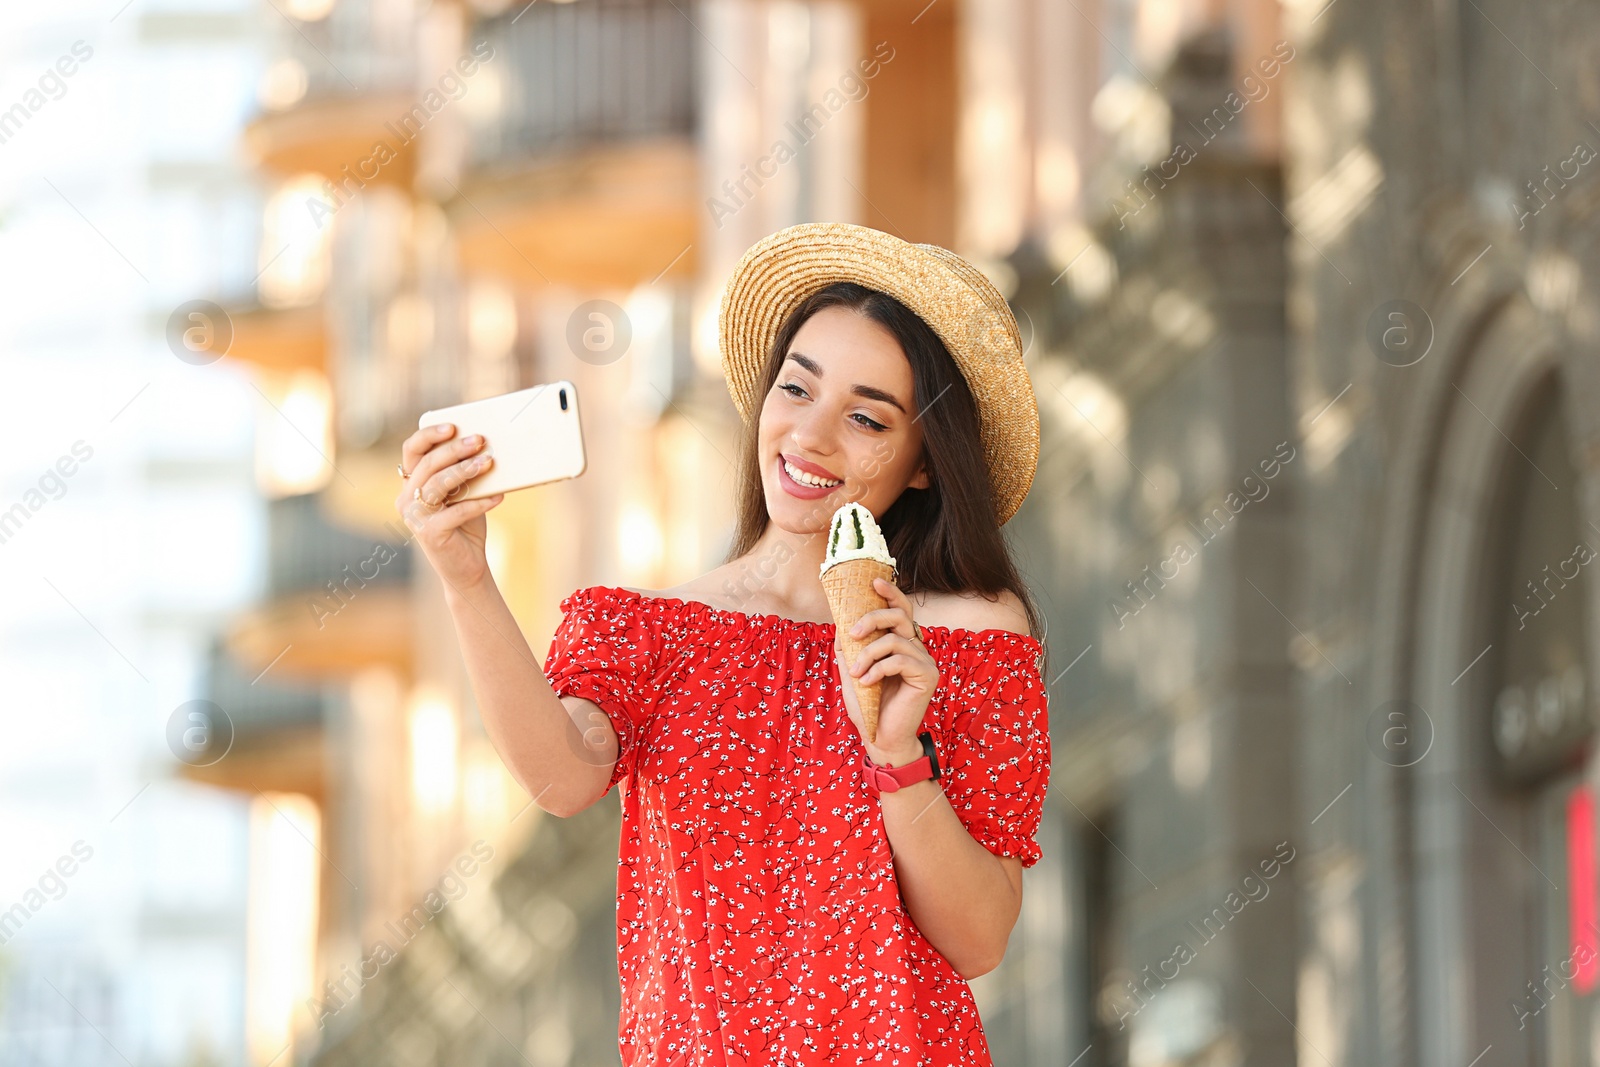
(1319, 534)
(1305, 297)
(129, 529)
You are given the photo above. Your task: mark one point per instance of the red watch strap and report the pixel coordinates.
(891, 779)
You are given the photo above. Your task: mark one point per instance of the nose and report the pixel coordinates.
(812, 434)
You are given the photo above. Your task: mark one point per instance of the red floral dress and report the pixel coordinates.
(758, 917)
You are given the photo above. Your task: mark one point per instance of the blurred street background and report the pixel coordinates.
(1311, 297)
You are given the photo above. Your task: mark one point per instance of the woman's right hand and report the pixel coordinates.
(450, 535)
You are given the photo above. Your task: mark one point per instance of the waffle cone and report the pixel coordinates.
(850, 596)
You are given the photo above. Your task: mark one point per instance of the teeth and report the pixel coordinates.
(806, 479)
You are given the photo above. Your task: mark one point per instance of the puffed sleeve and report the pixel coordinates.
(994, 748)
(607, 649)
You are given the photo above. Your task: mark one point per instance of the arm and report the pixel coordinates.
(963, 897)
(560, 749)
(564, 767)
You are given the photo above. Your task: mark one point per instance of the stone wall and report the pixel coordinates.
(1416, 133)
(1159, 536)
(1392, 308)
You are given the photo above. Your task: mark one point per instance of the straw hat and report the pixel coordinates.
(953, 297)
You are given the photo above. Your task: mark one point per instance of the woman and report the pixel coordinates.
(788, 890)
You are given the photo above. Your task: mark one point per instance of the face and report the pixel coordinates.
(841, 412)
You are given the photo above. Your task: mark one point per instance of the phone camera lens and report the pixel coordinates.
(563, 400)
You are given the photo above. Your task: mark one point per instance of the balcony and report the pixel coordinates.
(336, 601)
(282, 340)
(343, 82)
(325, 136)
(586, 172)
(276, 738)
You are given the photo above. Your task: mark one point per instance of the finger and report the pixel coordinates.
(433, 459)
(886, 645)
(892, 593)
(442, 486)
(443, 455)
(448, 453)
(418, 444)
(896, 599)
(894, 619)
(848, 689)
(453, 515)
(899, 664)
(439, 493)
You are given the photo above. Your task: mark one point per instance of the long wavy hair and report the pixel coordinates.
(945, 538)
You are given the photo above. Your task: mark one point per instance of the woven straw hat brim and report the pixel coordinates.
(953, 297)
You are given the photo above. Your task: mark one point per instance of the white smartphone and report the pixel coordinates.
(534, 434)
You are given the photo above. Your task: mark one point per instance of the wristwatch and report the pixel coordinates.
(891, 779)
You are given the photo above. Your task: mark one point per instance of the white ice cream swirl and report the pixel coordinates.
(854, 534)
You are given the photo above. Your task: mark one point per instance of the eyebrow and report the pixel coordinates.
(867, 391)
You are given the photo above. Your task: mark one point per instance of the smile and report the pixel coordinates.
(808, 479)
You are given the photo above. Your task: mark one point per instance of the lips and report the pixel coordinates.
(800, 489)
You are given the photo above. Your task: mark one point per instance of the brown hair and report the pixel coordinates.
(945, 539)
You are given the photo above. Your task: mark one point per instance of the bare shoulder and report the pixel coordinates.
(974, 611)
(706, 589)
(717, 589)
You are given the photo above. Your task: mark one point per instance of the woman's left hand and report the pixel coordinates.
(903, 664)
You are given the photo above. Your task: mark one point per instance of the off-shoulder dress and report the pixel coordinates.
(758, 917)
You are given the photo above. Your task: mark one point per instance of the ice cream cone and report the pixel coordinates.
(850, 596)
(857, 554)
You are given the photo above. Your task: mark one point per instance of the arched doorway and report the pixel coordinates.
(1499, 669)
(1535, 955)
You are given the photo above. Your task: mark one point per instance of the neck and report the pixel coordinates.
(780, 572)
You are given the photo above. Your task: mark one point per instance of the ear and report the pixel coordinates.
(920, 480)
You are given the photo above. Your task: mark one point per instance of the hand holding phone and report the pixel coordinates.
(534, 435)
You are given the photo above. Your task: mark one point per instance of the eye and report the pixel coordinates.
(868, 422)
(797, 391)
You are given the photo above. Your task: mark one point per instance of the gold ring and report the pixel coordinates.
(916, 631)
(417, 492)
(402, 471)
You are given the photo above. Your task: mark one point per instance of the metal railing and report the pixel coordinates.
(588, 72)
(361, 46)
(305, 551)
(256, 705)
